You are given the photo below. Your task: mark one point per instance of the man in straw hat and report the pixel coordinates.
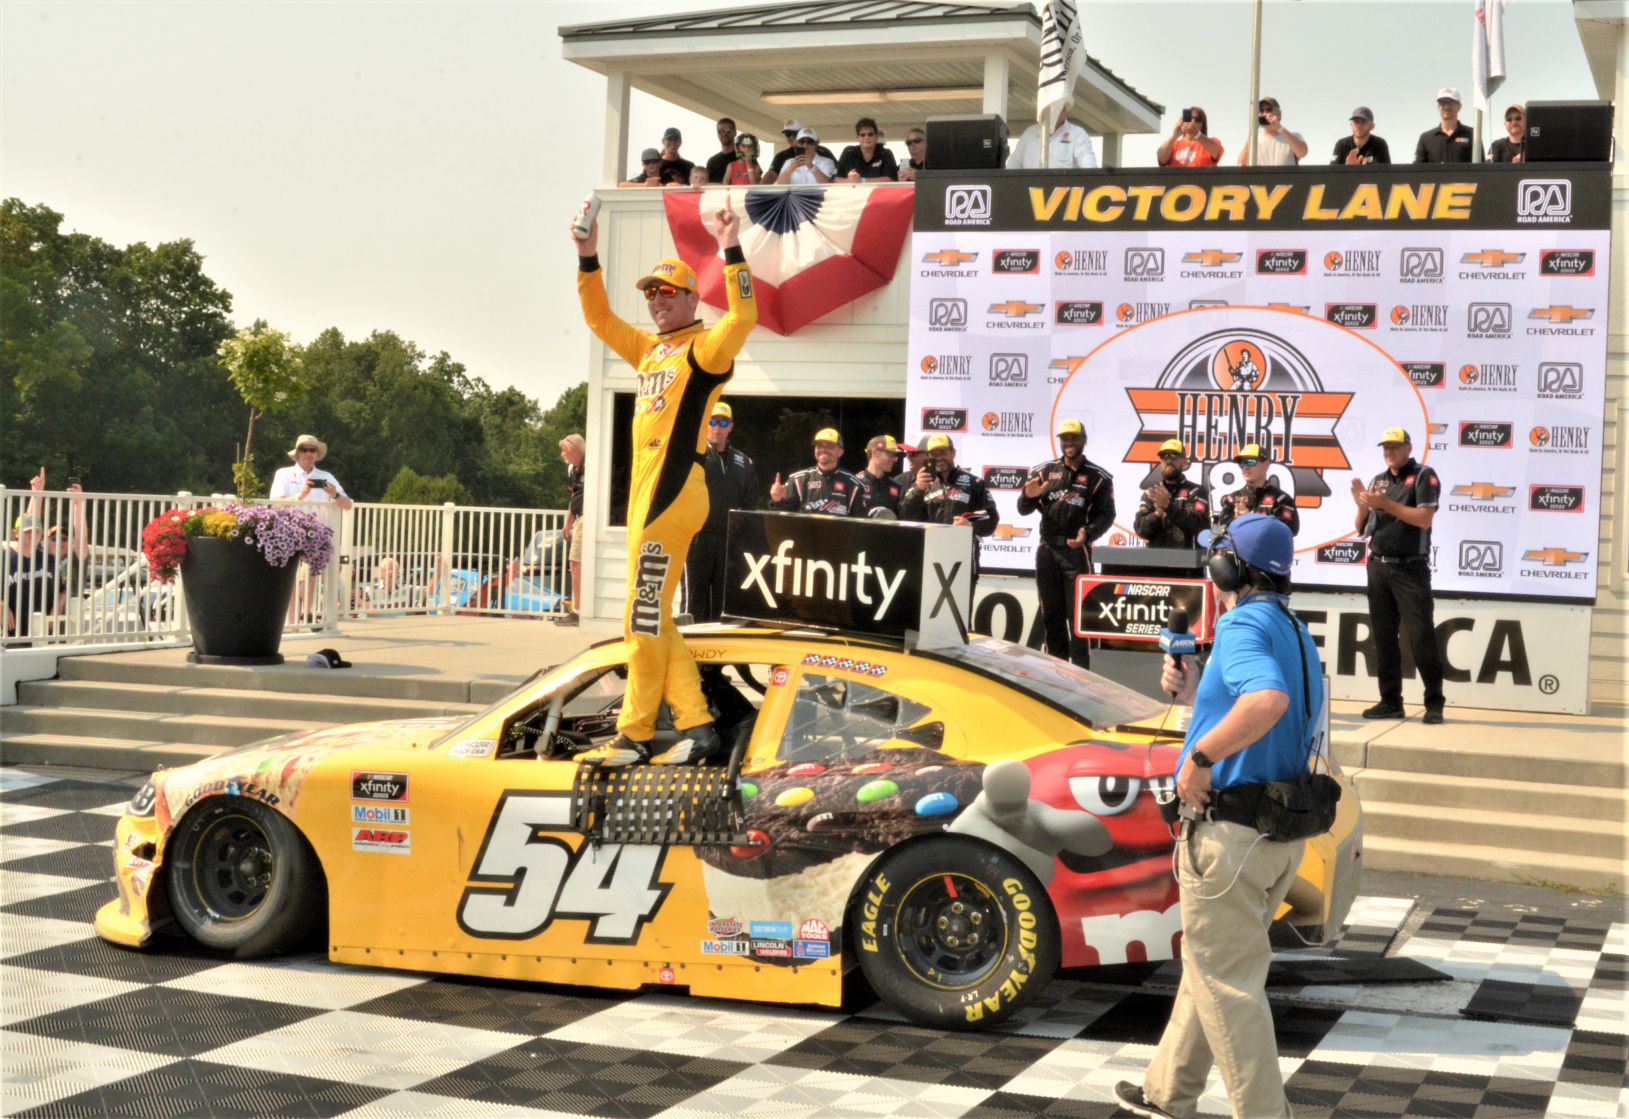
(304, 481)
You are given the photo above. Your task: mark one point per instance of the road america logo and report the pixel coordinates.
(1144, 265)
(1281, 262)
(1486, 434)
(1009, 371)
(1560, 380)
(1420, 266)
(1079, 313)
(968, 205)
(1016, 262)
(1353, 316)
(1348, 552)
(1543, 202)
(944, 419)
(1567, 262)
(1482, 559)
(947, 314)
(1555, 499)
(1487, 320)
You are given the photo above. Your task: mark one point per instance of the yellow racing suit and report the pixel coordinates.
(682, 374)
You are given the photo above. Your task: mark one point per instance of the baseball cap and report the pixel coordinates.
(649, 154)
(723, 409)
(670, 271)
(881, 442)
(1071, 427)
(326, 658)
(807, 134)
(1173, 445)
(1264, 543)
(828, 435)
(1251, 450)
(26, 523)
(1268, 103)
(1449, 93)
(793, 126)
(1394, 435)
(935, 442)
(672, 134)
(1363, 112)
(910, 449)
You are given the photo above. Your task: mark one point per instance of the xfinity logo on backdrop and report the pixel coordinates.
(1567, 262)
(968, 205)
(782, 574)
(1016, 262)
(1555, 499)
(944, 419)
(1420, 266)
(1353, 316)
(1281, 262)
(1485, 433)
(1344, 552)
(1543, 201)
(1426, 374)
(1080, 313)
(1005, 477)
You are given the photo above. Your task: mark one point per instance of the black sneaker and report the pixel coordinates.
(1384, 710)
(699, 746)
(1130, 1097)
(1432, 716)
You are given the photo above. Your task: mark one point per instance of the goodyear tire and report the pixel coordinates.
(243, 880)
(954, 933)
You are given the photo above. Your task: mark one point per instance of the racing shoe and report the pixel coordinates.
(620, 751)
(699, 746)
(1130, 1097)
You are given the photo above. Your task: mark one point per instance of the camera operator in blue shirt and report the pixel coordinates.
(1254, 711)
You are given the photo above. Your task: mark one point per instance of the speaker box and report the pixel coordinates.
(1567, 131)
(970, 143)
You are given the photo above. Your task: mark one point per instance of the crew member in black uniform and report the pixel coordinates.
(732, 483)
(1395, 512)
(914, 457)
(1173, 511)
(1260, 493)
(823, 488)
(945, 494)
(882, 491)
(1076, 500)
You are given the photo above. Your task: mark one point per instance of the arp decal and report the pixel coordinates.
(388, 841)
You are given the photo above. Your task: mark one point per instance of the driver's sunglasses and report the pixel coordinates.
(1169, 456)
(666, 291)
(1247, 461)
(719, 421)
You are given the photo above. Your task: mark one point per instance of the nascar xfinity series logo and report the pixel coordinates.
(1567, 262)
(1281, 262)
(1238, 386)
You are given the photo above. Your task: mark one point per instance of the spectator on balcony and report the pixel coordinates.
(725, 155)
(572, 452)
(650, 170)
(790, 130)
(1276, 146)
(1070, 146)
(1362, 146)
(304, 481)
(31, 576)
(916, 148)
(1450, 141)
(1189, 144)
(675, 168)
(824, 487)
(808, 166)
(1508, 148)
(868, 159)
(698, 176)
(745, 171)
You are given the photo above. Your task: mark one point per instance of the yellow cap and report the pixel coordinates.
(1394, 435)
(828, 435)
(723, 409)
(1071, 427)
(1171, 446)
(670, 271)
(882, 443)
(935, 442)
(1251, 450)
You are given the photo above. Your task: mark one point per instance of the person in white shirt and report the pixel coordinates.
(1071, 146)
(304, 481)
(808, 166)
(1276, 146)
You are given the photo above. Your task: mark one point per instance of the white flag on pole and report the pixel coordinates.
(1063, 57)
(1488, 50)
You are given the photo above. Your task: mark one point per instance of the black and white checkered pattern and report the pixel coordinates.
(1527, 1018)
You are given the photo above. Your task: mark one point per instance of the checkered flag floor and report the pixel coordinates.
(1530, 1021)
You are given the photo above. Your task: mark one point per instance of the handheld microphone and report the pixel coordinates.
(1177, 641)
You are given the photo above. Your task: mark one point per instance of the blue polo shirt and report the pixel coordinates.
(1255, 650)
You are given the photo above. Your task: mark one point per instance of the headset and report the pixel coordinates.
(1226, 570)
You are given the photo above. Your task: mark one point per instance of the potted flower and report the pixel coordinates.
(237, 573)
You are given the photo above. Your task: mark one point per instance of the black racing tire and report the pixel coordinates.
(242, 879)
(954, 933)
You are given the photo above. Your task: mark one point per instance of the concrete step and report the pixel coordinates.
(1497, 864)
(101, 753)
(289, 678)
(1608, 806)
(202, 730)
(1527, 759)
(113, 695)
(1533, 832)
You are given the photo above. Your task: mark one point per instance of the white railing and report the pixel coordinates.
(87, 584)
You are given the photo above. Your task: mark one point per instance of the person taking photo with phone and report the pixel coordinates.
(1189, 144)
(944, 493)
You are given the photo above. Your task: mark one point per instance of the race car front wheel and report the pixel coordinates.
(954, 933)
(242, 879)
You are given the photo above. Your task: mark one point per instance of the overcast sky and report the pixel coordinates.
(408, 166)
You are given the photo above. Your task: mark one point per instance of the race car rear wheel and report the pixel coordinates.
(954, 933)
(242, 879)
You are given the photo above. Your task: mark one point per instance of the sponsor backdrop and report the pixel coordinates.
(1304, 309)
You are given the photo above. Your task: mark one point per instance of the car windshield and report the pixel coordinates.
(1098, 701)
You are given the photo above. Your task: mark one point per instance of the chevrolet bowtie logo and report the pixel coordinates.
(1554, 557)
(1558, 313)
(1065, 362)
(1482, 491)
(1288, 307)
(1493, 258)
(1009, 532)
(950, 258)
(1015, 308)
(1210, 258)
(1438, 429)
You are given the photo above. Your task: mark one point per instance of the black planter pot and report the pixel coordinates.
(236, 602)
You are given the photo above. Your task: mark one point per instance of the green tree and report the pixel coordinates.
(266, 368)
(409, 487)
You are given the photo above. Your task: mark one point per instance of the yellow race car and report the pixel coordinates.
(957, 823)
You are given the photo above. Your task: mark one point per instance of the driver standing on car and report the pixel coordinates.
(682, 369)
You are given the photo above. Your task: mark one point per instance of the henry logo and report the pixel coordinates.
(1486, 433)
(1281, 262)
(1487, 320)
(1543, 202)
(1211, 264)
(1016, 262)
(1145, 266)
(1567, 262)
(1135, 314)
(1489, 376)
(1008, 423)
(949, 258)
(1005, 477)
(1560, 317)
(1081, 262)
(968, 205)
(1560, 380)
(1420, 266)
(1349, 552)
(1560, 439)
(1352, 262)
(1425, 374)
(946, 367)
(1353, 316)
(1481, 559)
(1431, 318)
(1555, 499)
(368, 785)
(1237, 386)
(944, 419)
(1079, 312)
(947, 314)
(1009, 371)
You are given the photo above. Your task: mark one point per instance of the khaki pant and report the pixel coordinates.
(1221, 1014)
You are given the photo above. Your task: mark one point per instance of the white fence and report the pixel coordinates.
(74, 574)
